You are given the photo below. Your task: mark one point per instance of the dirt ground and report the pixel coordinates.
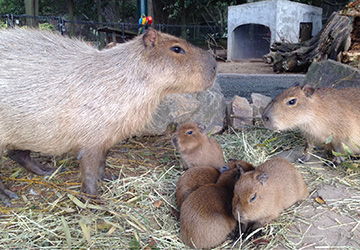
(245, 67)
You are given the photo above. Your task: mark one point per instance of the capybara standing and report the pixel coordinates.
(61, 95)
(260, 195)
(196, 148)
(319, 113)
(206, 215)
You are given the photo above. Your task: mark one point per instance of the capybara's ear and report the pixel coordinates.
(202, 128)
(308, 90)
(224, 168)
(240, 172)
(150, 38)
(262, 178)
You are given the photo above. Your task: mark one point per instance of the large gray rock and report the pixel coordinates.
(207, 108)
(241, 113)
(332, 74)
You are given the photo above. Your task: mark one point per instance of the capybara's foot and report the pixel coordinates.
(304, 158)
(6, 195)
(108, 177)
(23, 158)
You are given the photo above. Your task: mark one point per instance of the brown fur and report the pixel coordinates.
(63, 95)
(318, 113)
(205, 216)
(192, 179)
(196, 148)
(274, 186)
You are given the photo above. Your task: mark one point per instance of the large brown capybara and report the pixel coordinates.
(321, 114)
(196, 148)
(61, 95)
(260, 195)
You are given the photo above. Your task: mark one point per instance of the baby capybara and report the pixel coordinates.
(196, 148)
(61, 95)
(319, 113)
(206, 215)
(192, 179)
(260, 195)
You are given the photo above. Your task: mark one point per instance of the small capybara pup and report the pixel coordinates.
(206, 215)
(319, 113)
(260, 195)
(193, 178)
(196, 148)
(60, 95)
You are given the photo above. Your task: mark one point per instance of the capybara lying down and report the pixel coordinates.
(321, 114)
(196, 148)
(206, 214)
(61, 95)
(260, 195)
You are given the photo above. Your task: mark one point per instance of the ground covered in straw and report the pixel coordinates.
(137, 209)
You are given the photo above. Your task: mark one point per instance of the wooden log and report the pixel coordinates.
(327, 44)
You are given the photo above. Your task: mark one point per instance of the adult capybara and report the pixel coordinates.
(206, 215)
(196, 148)
(260, 195)
(61, 95)
(319, 113)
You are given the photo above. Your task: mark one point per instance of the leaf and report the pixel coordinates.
(86, 232)
(329, 139)
(347, 149)
(158, 203)
(320, 200)
(338, 154)
(83, 205)
(66, 231)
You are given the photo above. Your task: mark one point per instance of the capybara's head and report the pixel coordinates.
(250, 200)
(188, 136)
(246, 166)
(178, 65)
(290, 109)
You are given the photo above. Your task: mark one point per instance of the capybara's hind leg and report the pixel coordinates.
(6, 195)
(23, 158)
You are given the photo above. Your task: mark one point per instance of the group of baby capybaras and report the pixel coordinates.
(213, 198)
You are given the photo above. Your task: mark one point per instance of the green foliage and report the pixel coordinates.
(12, 7)
(47, 26)
(3, 25)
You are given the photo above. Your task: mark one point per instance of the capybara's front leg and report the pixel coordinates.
(90, 164)
(23, 158)
(308, 149)
(102, 175)
(6, 195)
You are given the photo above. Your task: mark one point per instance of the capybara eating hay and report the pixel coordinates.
(196, 148)
(61, 95)
(320, 114)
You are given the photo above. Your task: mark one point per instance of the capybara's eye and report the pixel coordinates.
(291, 102)
(177, 50)
(189, 132)
(253, 198)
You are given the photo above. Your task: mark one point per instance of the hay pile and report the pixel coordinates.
(136, 209)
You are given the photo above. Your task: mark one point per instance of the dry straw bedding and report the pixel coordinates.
(136, 212)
